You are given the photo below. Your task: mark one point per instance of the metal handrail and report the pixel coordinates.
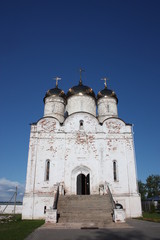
(56, 198)
(111, 197)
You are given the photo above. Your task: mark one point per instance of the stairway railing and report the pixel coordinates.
(111, 197)
(56, 198)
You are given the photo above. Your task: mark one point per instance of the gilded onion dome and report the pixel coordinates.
(107, 93)
(57, 92)
(80, 90)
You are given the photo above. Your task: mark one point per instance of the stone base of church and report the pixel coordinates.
(35, 207)
(118, 215)
(131, 204)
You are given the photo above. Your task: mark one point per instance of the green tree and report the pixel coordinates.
(142, 190)
(153, 185)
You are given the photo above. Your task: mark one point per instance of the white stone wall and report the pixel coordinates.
(84, 103)
(73, 149)
(10, 209)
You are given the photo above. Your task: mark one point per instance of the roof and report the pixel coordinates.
(80, 89)
(55, 92)
(107, 93)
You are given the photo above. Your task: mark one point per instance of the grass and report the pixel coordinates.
(152, 217)
(13, 228)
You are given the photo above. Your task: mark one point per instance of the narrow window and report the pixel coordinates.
(47, 170)
(115, 171)
(107, 108)
(45, 209)
(81, 124)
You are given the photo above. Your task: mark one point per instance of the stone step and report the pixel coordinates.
(95, 218)
(96, 204)
(78, 201)
(84, 214)
(84, 203)
(84, 209)
(84, 220)
(80, 210)
(88, 198)
(84, 196)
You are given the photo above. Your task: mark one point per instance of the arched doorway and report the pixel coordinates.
(83, 184)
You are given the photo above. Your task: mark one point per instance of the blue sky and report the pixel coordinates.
(119, 39)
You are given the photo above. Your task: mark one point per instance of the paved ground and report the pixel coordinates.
(133, 229)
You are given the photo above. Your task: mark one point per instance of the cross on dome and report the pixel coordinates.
(57, 79)
(105, 81)
(81, 70)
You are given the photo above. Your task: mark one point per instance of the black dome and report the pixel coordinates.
(81, 90)
(55, 92)
(107, 92)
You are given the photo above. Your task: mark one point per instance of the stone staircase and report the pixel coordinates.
(88, 210)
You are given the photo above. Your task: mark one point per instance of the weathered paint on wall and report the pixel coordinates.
(81, 144)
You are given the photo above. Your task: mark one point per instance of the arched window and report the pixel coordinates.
(81, 124)
(115, 171)
(47, 170)
(45, 209)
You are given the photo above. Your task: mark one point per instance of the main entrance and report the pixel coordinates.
(83, 184)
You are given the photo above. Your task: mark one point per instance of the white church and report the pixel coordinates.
(80, 147)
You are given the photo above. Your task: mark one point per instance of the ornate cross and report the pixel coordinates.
(57, 79)
(81, 70)
(105, 81)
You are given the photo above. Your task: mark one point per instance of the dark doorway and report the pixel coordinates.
(83, 184)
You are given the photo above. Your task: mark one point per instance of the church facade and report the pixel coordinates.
(83, 146)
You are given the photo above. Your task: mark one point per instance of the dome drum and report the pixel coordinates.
(80, 98)
(107, 107)
(55, 102)
(81, 103)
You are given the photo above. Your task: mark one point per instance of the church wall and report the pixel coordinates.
(131, 165)
(40, 202)
(83, 155)
(115, 152)
(50, 148)
(82, 149)
(34, 206)
(31, 159)
(27, 210)
(90, 123)
(73, 149)
(131, 204)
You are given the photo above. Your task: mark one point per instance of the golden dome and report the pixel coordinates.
(81, 90)
(55, 92)
(107, 93)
